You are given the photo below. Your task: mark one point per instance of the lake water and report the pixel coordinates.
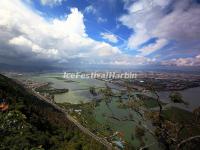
(127, 128)
(191, 96)
(78, 89)
(79, 92)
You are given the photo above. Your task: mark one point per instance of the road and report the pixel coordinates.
(70, 118)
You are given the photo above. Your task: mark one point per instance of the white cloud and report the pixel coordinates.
(22, 41)
(90, 9)
(180, 25)
(25, 32)
(130, 60)
(104, 49)
(148, 19)
(138, 38)
(110, 37)
(189, 61)
(51, 2)
(142, 17)
(101, 20)
(72, 24)
(160, 43)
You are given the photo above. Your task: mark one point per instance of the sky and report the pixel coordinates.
(71, 33)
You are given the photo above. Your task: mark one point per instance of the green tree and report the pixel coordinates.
(176, 97)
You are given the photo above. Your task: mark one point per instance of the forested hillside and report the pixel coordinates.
(29, 123)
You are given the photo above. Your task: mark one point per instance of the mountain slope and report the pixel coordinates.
(30, 123)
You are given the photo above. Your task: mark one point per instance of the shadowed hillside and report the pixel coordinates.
(29, 123)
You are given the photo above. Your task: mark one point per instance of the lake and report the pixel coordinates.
(79, 92)
(78, 88)
(191, 96)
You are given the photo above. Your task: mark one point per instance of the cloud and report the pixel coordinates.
(51, 2)
(23, 42)
(28, 38)
(142, 18)
(138, 38)
(73, 24)
(124, 60)
(53, 42)
(90, 9)
(132, 60)
(160, 43)
(166, 20)
(189, 61)
(101, 20)
(181, 25)
(104, 49)
(110, 37)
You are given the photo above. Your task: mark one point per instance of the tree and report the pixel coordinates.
(168, 132)
(139, 132)
(176, 97)
(196, 113)
(93, 91)
(107, 94)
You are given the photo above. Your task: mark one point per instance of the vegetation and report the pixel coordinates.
(84, 114)
(173, 128)
(33, 124)
(63, 79)
(93, 91)
(107, 94)
(30, 123)
(176, 97)
(176, 128)
(139, 132)
(166, 84)
(47, 89)
(54, 91)
(149, 102)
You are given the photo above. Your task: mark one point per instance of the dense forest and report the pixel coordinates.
(29, 123)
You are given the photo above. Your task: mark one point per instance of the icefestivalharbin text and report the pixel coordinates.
(99, 75)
